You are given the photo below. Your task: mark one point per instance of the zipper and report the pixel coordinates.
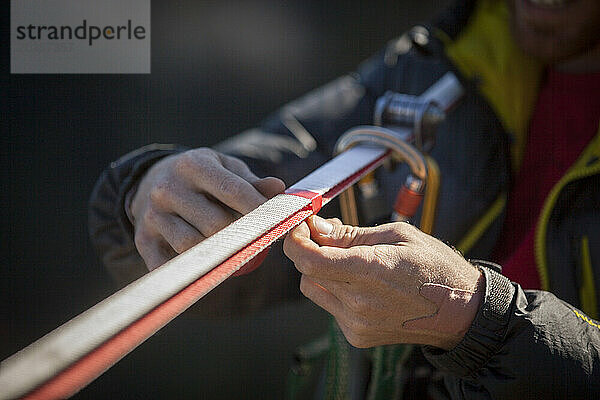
(578, 171)
(587, 286)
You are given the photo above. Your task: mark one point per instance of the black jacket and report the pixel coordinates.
(522, 344)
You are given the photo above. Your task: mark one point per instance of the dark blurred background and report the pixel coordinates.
(218, 67)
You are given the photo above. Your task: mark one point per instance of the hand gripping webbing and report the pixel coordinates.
(68, 358)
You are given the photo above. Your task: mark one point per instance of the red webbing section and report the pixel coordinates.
(71, 380)
(88, 368)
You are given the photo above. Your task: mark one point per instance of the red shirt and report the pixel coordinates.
(565, 119)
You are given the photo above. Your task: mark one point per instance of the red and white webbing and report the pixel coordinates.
(68, 358)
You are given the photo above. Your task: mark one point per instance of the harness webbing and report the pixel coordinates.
(70, 357)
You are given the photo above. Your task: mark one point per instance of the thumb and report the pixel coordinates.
(269, 186)
(331, 233)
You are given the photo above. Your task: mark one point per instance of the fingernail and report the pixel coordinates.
(324, 227)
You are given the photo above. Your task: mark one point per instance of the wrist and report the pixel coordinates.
(462, 310)
(457, 308)
(487, 332)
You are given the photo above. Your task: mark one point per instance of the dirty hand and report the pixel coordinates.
(188, 197)
(387, 284)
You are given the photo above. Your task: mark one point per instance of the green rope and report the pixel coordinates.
(336, 384)
(387, 372)
(387, 376)
(306, 363)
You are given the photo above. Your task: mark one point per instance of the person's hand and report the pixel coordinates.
(188, 197)
(387, 284)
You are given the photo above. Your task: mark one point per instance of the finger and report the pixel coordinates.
(322, 262)
(298, 242)
(230, 189)
(238, 167)
(269, 186)
(153, 249)
(321, 297)
(357, 299)
(341, 290)
(200, 212)
(326, 233)
(177, 233)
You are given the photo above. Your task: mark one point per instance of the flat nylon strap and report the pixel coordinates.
(68, 358)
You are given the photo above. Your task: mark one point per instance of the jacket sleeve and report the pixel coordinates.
(290, 143)
(523, 345)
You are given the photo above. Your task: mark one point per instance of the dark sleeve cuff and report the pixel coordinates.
(133, 166)
(487, 333)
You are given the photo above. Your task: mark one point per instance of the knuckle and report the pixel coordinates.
(404, 228)
(230, 186)
(204, 152)
(150, 217)
(347, 233)
(160, 193)
(185, 163)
